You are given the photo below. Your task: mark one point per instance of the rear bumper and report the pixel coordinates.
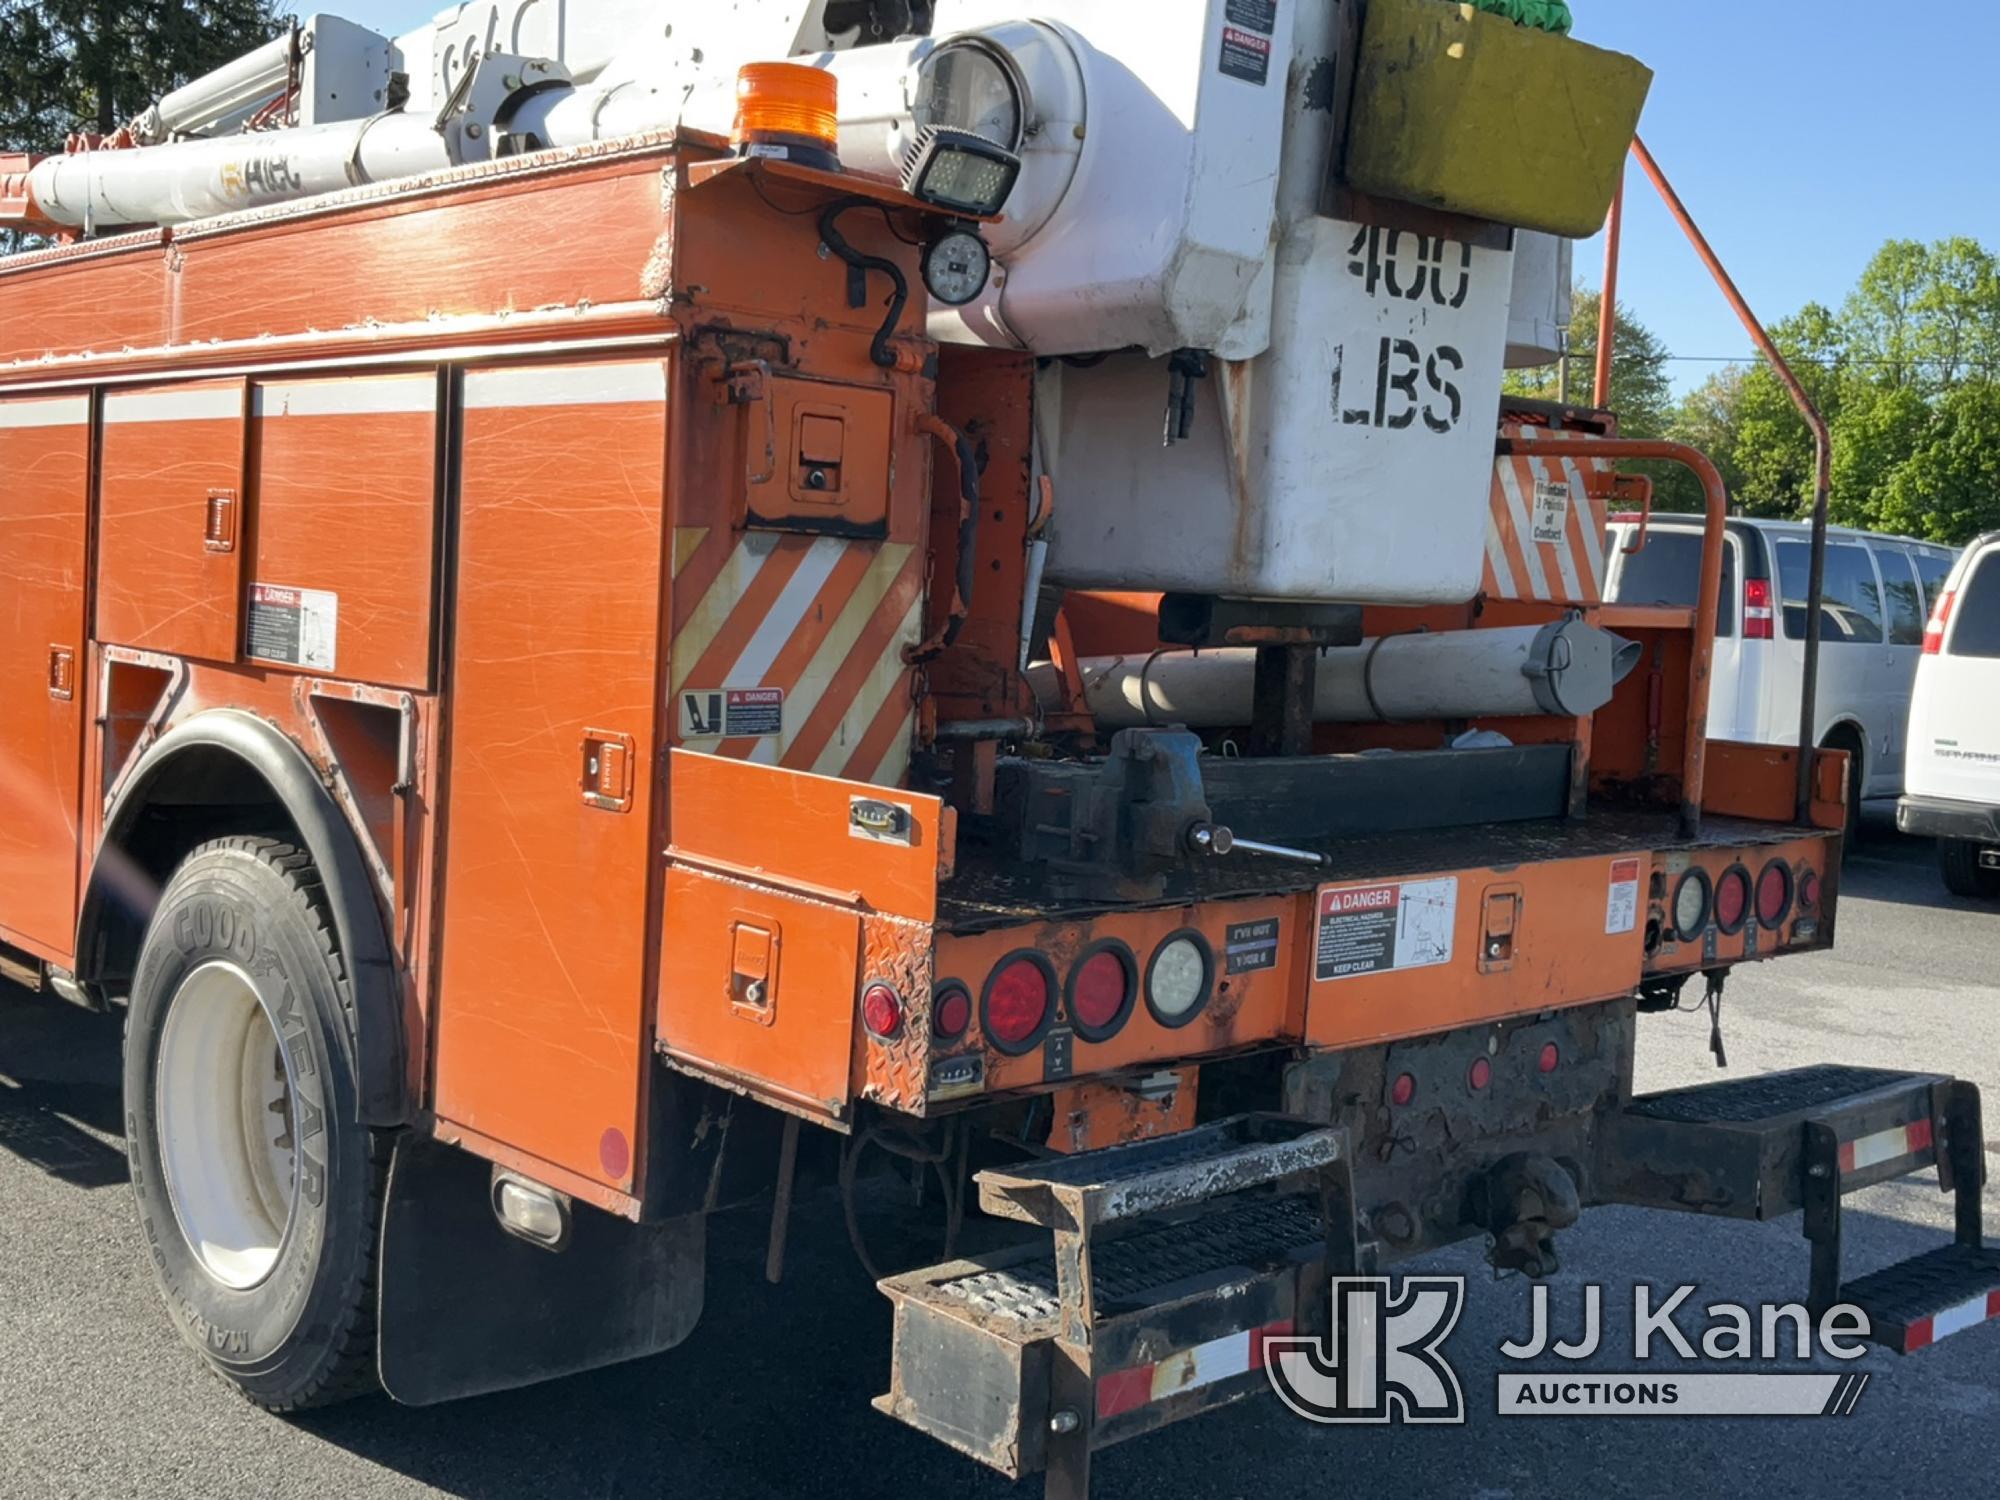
(1945, 818)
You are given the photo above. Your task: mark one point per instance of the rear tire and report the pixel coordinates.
(1958, 862)
(259, 1192)
(1848, 740)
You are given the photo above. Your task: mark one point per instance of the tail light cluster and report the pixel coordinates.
(1940, 618)
(1731, 898)
(1023, 997)
(1760, 620)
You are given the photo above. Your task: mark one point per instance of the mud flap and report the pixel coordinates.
(466, 1308)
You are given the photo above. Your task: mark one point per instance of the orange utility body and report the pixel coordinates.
(559, 514)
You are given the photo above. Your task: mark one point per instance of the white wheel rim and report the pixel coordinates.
(223, 1104)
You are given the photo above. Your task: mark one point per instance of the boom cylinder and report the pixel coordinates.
(1566, 669)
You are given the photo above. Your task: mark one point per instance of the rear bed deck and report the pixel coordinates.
(990, 890)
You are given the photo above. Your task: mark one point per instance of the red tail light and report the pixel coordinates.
(1934, 632)
(882, 1010)
(1016, 1008)
(1774, 894)
(1759, 619)
(951, 1012)
(1102, 988)
(1732, 899)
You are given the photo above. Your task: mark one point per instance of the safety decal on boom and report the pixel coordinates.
(299, 627)
(732, 713)
(1246, 40)
(1373, 929)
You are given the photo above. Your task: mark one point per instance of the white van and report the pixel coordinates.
(1953, 780)
(1879, 592)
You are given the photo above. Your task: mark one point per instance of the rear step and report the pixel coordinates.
(1173, 1260)
(1760, 1148)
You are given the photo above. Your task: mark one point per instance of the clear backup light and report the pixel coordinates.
(1178, 979)
(530, 1211)
(1691, 902)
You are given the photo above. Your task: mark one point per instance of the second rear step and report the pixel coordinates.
(1173, 1259)
(1759, 1148)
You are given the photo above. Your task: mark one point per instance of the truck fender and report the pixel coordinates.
(374, 990)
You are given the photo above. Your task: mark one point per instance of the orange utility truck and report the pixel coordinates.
(957, 580)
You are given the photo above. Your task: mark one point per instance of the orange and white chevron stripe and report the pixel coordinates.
(788, 650)
(1544, 529)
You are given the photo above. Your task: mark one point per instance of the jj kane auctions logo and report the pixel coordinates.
(1383, 1359)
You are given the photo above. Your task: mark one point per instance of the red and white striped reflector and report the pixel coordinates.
(1912, 1139)
(1205, 1364)
(1927, 1331)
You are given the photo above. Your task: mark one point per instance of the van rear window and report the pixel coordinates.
(1668, 572)
(1975, 613)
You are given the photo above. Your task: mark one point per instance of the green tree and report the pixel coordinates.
(1641, 392)
(1949, 486)
(90, 64)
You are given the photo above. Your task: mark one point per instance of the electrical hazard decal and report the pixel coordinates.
(1373, 929)
(1621, 911)
(1246, 40)
(300, 627)
(1552, 503)
(732, 713)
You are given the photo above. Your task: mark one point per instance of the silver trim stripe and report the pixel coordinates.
(181, 404)
(361, 396)
(566, 385)
(55, 411)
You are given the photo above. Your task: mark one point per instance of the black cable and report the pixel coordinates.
(878, 349)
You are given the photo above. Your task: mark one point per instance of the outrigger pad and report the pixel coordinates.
(466, 1308)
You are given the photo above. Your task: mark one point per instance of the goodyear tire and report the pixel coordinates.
(258, 1190)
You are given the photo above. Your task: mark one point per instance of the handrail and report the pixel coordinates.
(1708, 600)
(1822, 436)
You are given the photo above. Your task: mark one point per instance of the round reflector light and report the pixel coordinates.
(1774, 893)
(951, 1012)
(1403, 1090)
(881, 1010)
(1732, 899)
(1100, 991)
(1808, 891)
(1178, 979)
(1479, 1074)
(1691, 903)
(1019, 1003)
(1551, 1058)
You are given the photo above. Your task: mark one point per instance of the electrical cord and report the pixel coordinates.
(879, 349)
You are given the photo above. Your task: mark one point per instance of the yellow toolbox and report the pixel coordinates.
(1459, 110)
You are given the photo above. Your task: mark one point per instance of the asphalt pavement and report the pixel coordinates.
(770, 1396)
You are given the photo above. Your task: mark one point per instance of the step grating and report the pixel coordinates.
(1745, 1101)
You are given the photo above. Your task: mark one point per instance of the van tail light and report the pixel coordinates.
(1934, 632)
(1759, 620)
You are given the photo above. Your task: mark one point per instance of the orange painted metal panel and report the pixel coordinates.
(44, 491)
(758, 985)
(1251, 1001)
(1407, 957)
(812, 833)
(540, 1014)
(170, 518)
(343, 487)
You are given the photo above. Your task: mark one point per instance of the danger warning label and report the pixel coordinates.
(300, 627)
(1372, 929)
(1245, 55)
(1621, 911)
(732, 713)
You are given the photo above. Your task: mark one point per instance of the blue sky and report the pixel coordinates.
(1800, 135)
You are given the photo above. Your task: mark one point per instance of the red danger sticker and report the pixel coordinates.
(1371, 929)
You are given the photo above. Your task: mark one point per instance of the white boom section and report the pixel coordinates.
(1333, 438)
